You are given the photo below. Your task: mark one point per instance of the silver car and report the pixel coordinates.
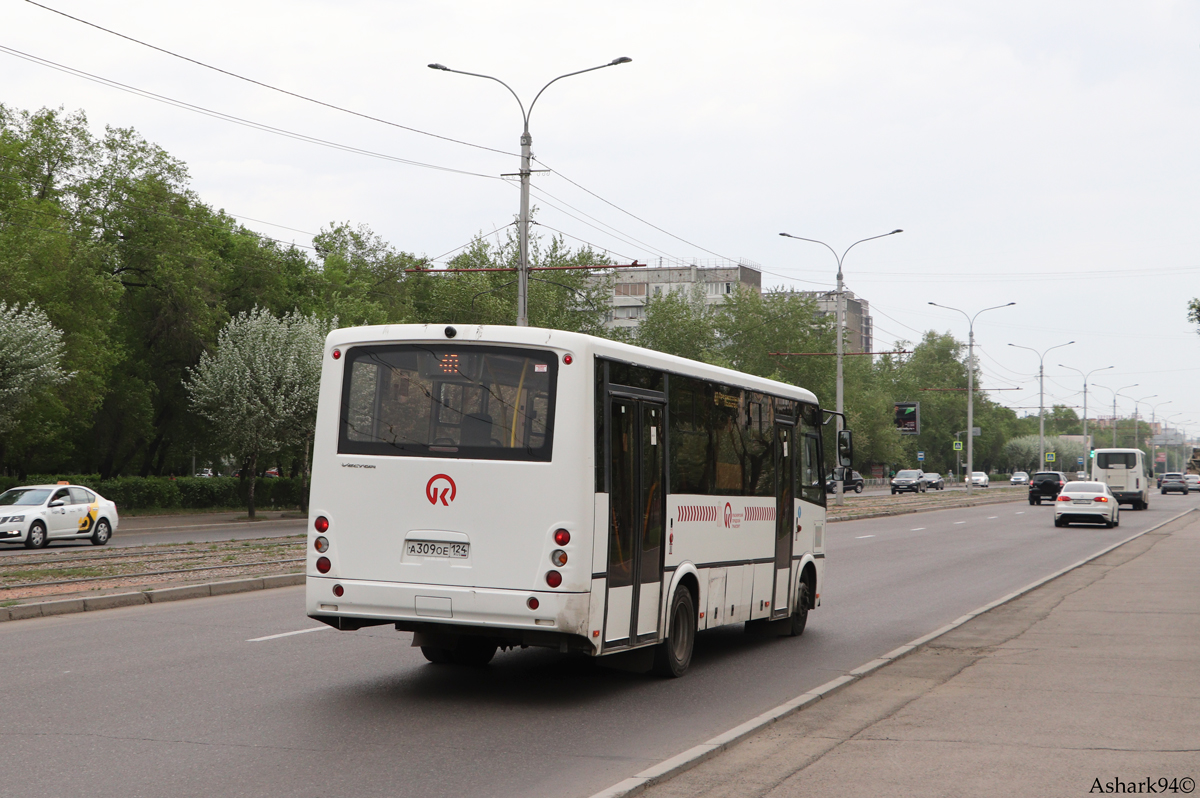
(1019, 478)
(36, 514)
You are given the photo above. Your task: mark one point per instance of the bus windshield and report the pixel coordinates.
(459, 401)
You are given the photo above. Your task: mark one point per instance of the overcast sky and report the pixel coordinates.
(1038, 153)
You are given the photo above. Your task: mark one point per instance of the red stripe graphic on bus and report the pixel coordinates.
(697, 513)
(760, 514)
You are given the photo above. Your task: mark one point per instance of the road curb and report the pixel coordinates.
(911, 511)
(44, 609)
(696, 755)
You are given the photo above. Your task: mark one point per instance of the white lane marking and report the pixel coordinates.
(918, 529)
(960, 522)
(860, 537)
(1022, 512)
(289, 634)
(992, 517)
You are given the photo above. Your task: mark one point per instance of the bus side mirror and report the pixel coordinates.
(845, 448)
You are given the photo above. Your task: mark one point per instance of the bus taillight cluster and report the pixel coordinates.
(558, 557)
(321, 544)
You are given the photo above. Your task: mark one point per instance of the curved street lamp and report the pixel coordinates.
(1088, 441)
(841, 323)
(1116, 393)
(526, 154)
(1042, 396)
(971, 385)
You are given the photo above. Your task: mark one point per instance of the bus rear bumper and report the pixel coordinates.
(417, 606)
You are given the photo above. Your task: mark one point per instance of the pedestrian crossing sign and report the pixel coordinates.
(958, 446)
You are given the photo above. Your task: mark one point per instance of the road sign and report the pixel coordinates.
(920, 456)
(958, 446)
(1049, 457)
(1080, 460)
(1161, 457)
(976, 432)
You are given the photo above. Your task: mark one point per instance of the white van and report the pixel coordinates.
(1124, 471)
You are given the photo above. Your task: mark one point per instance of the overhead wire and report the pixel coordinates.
(267, 85)
(236, 119)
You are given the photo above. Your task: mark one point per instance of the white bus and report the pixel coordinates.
(487, 486)
(1125, 473)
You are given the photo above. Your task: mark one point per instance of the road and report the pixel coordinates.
(187, 699)
(196, 528)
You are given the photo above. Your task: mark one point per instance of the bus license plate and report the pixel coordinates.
(433, 548)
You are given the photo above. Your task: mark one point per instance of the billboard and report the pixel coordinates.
(908, 418)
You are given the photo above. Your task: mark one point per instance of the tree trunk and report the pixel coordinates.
(250, 494)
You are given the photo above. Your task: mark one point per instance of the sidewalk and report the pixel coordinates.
(1090, 679)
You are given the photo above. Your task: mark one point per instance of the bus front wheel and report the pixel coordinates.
(673, 655)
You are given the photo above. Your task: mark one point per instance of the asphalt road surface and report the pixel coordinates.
(197, 528)
(243, 695)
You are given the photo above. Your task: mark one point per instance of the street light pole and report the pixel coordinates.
(1087, 440)
(1137, 433)
(841, 323)
(971, 387)
(1041, 397)
(526, 156)
(1114, 415)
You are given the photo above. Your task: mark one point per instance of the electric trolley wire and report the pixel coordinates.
(236, 119)
(267, 85)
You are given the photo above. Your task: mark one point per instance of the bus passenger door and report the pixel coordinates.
(637, 509)
(784, 516)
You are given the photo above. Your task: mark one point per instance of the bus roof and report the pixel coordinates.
(559, 339)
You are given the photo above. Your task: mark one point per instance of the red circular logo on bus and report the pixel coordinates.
(728, 515)
(435, 495)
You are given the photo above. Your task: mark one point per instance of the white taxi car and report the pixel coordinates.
(1090, 502)
(36, 514)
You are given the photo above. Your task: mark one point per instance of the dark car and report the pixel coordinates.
(909, 479)
(1174, 483)
(934, 481)
(854, 482)
(1045, 485)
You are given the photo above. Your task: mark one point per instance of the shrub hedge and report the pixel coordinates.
(191, 493)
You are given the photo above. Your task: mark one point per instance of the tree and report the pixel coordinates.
(31, 354)
(259, 388)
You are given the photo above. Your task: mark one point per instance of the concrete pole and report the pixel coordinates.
(971, 408)
(523, 231)
(838, 499)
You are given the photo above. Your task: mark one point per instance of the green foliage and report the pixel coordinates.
(188, 493)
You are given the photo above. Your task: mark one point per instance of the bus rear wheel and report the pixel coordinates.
(468, 651)
(673, 655)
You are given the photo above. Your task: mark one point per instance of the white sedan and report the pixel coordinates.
(1090, 502)
(979, 479)
(36, 514)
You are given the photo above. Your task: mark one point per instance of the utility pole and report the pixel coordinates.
(526, 157)
(841, 323)
(1087, 439)
(1041, 398)
(971, 387)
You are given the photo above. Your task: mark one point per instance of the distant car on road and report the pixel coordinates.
(1092, 502)
(980, 479)
(1045, 486)
(854, 482)
(1193, 481)
(908, 480)
(36, 514)
(1174, 483)
(1019, 478)
(933, 481)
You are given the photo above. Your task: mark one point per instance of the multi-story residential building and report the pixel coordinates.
(632, 288)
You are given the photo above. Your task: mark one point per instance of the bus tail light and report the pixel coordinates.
(568, 360)
(562, 537)
(323, 564)
(321, 544)
(338, 590)
(321, 524)
(553, 578)
(532, 603)
(337, 353)
(558, 557)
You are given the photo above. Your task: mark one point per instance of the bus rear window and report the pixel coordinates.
(478, 402)
(1126, 460)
